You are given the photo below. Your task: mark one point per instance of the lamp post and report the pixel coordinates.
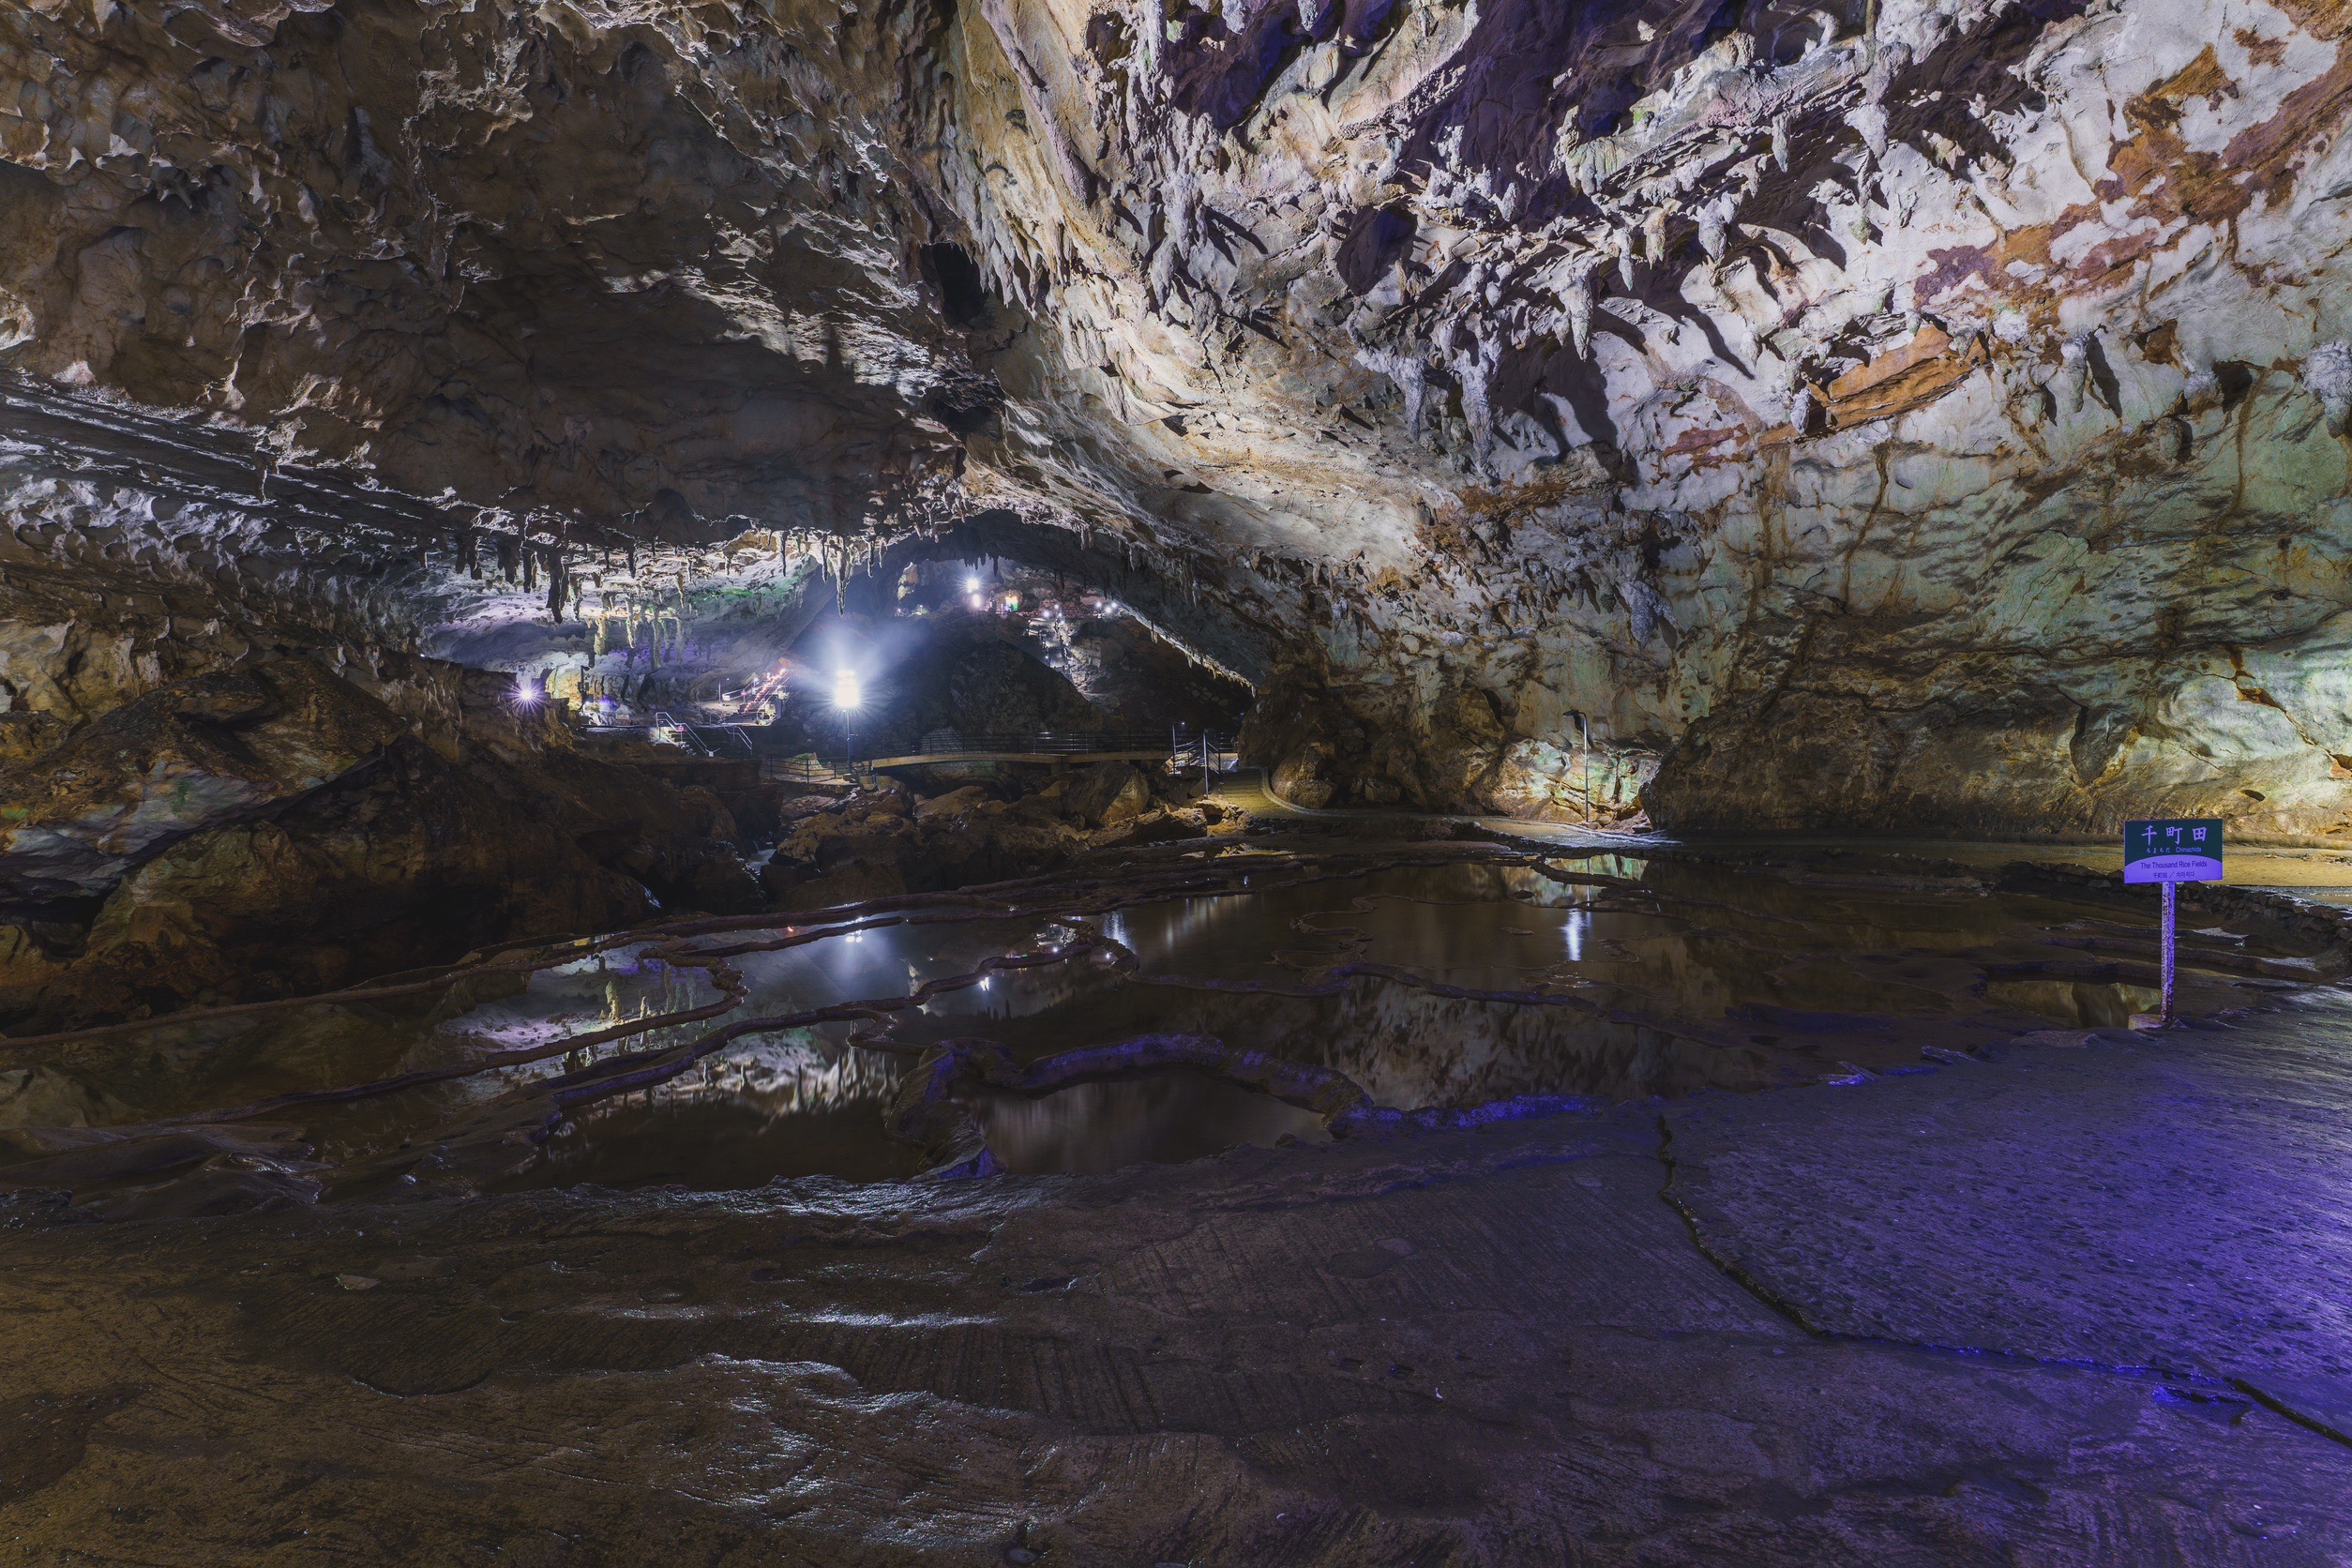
(1586, 720)
(845, 697)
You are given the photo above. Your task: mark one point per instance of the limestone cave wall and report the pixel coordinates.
(1891, 415)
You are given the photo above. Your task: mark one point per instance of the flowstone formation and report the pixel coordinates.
(1879, 414)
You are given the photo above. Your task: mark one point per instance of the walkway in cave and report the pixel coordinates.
(1247, 790)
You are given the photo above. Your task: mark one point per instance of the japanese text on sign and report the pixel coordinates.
(2172, 849)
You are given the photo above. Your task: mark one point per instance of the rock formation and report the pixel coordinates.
(1897, 416)
(278, 831)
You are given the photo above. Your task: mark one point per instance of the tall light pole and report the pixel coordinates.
(845, 697)
(1586, 720)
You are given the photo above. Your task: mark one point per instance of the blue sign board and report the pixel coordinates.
(2173, 849)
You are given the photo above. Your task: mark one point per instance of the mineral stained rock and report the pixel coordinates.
(177, 760)
(1912, 415)
(280, 830)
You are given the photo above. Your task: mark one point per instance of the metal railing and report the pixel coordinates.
(704, 740)
(1185, 747)
(1036, 743)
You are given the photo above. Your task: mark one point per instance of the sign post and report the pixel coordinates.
(2169, 850)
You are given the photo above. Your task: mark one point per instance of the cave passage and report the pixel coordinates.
(1273, 784)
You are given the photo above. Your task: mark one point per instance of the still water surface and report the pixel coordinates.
(1446, 984)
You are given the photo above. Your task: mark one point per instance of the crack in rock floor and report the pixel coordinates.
(1491, 1347)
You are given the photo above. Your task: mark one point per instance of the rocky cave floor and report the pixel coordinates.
(2057, 1294)
(2061, 1305)
(436, 1126)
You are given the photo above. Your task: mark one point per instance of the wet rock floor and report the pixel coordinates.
(2061, 1294)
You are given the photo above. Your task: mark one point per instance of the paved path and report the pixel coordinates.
(1058, 758)
(2321, 874)
(1246, 790)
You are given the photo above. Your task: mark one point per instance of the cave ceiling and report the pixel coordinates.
(1888, 413)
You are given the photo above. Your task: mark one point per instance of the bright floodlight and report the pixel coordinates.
(525, 692)
(845, 693)
(971, 585)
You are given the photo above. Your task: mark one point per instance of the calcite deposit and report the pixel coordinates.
(946, 782)
(282, 830)
(1898, 415)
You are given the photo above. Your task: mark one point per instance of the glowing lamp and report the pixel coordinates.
(971, 585)
(526, 693)
(845, 695)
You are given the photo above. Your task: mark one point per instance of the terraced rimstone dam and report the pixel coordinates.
(1201, 782)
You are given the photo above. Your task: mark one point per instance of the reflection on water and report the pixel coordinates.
(778, 1110)
(1162, 1119)
(1444, 983)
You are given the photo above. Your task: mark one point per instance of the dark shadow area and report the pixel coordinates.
(963, 292)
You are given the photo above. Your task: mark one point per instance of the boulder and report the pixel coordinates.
(27, 971)
(994, 844)
(1152, 827)
(1176, 789)
(951, 805)
(706, 816)
(404, 863)
(42, 1097)
(280, 830)
(858, 852)
(1299, 778)
(178, 760)
(1107, 794)
(681, 844)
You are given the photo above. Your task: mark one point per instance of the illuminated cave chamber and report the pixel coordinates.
(1718, 420)
(1073, 781)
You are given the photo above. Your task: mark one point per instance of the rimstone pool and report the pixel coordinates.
(1246, 996)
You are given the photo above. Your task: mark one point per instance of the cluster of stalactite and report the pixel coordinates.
(644, 619)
